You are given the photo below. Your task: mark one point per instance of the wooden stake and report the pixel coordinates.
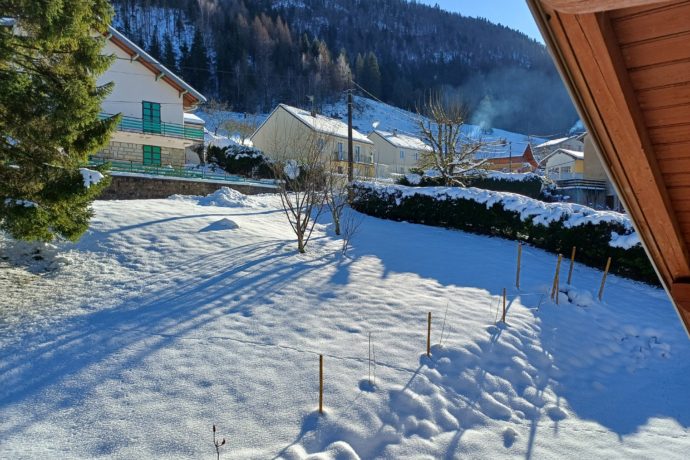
(603, 278)
(428, 335)
(370, 359)
(572, 263)
(320, 384)
(504, 305)
(517, 278)
(554, 289)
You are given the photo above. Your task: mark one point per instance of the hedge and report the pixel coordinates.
(530, 185)
(242, 160)
(557, 229)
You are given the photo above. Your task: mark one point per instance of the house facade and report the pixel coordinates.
(289, 131)
(572, 143)
(395, 152)
(156, 128)
(507, 162)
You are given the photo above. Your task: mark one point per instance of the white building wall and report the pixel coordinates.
(135, 83)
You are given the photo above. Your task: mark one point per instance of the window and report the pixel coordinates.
(320, 143)
(340, 151)
(416, 156)
(565, 169)
(152, 155)
(357, 154)
(402, 154)
(151, 115)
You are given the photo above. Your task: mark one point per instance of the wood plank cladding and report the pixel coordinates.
(667, 96)
(649, 22)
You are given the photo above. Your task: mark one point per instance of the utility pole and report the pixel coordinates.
(510, 156)
(350, 155)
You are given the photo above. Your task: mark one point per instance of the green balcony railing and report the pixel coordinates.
(139, 125)
(169, 171)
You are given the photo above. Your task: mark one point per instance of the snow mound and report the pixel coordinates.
(626, 241)
(90, 177)
(224, 197)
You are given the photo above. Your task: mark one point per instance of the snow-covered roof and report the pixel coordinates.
(144, 56)
(403, 141)
(325, 125)
(552, 142)
(571, 153)
(193, 119)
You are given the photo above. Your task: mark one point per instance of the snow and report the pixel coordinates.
(403, 141)
(624, 241)
(193, 119)
(326, 125)
(90, 177)
(161, 324)
(540, 212)
(18, 202)
(572, 153)
(292, 169)
(552, 142)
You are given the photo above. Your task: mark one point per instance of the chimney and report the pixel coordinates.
(395, 132)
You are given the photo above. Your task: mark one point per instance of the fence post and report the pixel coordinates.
(517, 279)
(504, 306)
(603, 278)
(428, 335)
(554, 289)
(320, 384)
(572, 262)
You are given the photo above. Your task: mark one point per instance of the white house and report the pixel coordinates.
(572, 143)
(156, 128)
(395, 152)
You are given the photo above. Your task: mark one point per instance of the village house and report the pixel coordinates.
(502, 159)
(572, 143)
(289, 130)
(156, 127)
(581, 176)
(395, 152)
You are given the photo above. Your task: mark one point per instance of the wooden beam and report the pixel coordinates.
(594, 6)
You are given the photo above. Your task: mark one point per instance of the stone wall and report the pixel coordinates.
(140, 188)
(126, 151)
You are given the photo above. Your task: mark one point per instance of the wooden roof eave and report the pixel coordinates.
(590, 62)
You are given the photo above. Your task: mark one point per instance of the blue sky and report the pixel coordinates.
(512, 13)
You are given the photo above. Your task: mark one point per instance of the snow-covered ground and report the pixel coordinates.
(172, 315)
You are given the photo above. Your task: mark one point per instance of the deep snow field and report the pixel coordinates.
(172, 315)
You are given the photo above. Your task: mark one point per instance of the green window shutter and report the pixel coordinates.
(152, 155)
(151, 115)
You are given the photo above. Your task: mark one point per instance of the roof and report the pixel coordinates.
(324, 124)
(553, 142)
(159, 69)
(626, 64)
(571, 153)
(402, 141)
(193, 119)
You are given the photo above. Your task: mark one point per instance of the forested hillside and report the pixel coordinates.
(256, 53)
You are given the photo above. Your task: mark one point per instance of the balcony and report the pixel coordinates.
(141, 126)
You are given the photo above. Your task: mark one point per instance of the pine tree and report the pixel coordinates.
(168, 58)
(359, 68)
(371, 78)
(49, 115)
(155, 45)
(199, 62)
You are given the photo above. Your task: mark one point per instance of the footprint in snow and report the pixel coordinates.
(509, 436)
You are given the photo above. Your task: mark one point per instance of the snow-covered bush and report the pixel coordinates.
(555, 227)
(528, 184)
(241, 160)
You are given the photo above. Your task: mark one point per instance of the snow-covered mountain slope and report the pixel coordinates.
(172, 315)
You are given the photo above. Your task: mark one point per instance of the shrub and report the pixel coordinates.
(557, 229)
(241, 160)
(529, 184)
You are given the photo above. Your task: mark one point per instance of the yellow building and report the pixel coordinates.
(288, 132)
(396, 153)
(564, 164)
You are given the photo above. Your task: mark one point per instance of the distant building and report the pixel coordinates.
(288, 130)
(156, 128)
(581, 177)
(572, 143)
(505, 161)
(395, 152)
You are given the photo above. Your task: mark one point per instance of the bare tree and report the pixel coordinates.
(337, 188)
(452, 153)
(350, 223)
(244, 128)
(217, 114)
(300, 169)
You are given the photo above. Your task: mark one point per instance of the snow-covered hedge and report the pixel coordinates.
(528, 184)
(555, 227)
(242, 160)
